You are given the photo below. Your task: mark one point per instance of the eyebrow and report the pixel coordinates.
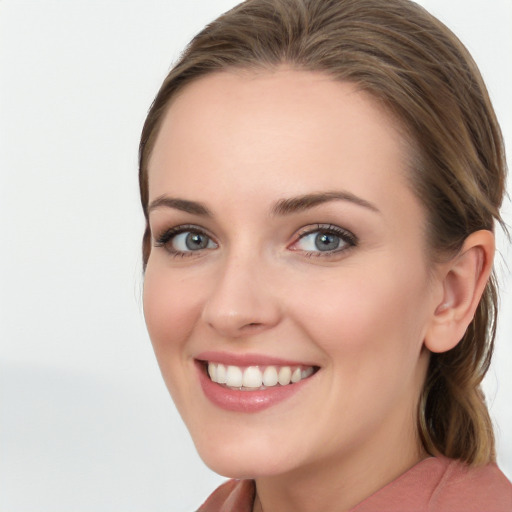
(281, 207)
(179, 204)
(305, 202)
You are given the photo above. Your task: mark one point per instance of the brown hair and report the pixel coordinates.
(417, 67)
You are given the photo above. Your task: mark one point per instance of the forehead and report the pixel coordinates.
(295, 130)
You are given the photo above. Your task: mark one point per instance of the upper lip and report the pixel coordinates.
(249, 359)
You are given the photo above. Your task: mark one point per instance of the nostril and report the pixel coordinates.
(252, 325)
(233, 314)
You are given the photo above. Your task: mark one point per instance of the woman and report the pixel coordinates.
(320, 181)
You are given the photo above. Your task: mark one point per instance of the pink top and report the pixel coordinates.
(436, 484)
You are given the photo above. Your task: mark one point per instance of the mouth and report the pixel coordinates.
(256, 377)
(250, 383)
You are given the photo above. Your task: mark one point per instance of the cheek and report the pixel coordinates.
(171, 311)
(367, 319)
(370, 332)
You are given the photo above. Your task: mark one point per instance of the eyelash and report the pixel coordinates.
(167, 236)
(348, 239)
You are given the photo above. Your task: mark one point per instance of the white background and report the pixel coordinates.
(85, 421)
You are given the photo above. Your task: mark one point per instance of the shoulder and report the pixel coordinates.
(439, 484)
(436, 484)
(231, 496)
(472, 489)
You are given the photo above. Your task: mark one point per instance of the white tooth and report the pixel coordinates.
(306, 373)
(270, 376)
(252, 377)
(221, 374)
(285, 374)
(234, 377)
(296, 375)
(212, 371)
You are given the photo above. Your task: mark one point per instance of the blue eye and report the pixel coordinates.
(328, 239)
(191, 241)
(183, 240)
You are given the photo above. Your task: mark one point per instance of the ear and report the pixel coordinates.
(463, 281)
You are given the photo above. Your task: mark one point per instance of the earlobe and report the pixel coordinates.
(463, 280)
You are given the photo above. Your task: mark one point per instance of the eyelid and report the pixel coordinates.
(167, 235)
(348, 238)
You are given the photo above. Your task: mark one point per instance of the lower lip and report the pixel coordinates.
(246, 401)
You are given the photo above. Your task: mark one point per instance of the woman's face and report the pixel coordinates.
(287, 244)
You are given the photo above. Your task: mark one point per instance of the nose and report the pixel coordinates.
(241, 302)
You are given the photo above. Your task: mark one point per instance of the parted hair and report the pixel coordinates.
(413, 64)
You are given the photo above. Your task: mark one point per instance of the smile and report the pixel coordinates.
(257, 378)
(251, 383)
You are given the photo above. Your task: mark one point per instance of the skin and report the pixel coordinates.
(237, 143)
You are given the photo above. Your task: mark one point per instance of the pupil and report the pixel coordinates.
(195, 241)
(326, 242)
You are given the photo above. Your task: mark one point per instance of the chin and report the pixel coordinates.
(243, 459)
